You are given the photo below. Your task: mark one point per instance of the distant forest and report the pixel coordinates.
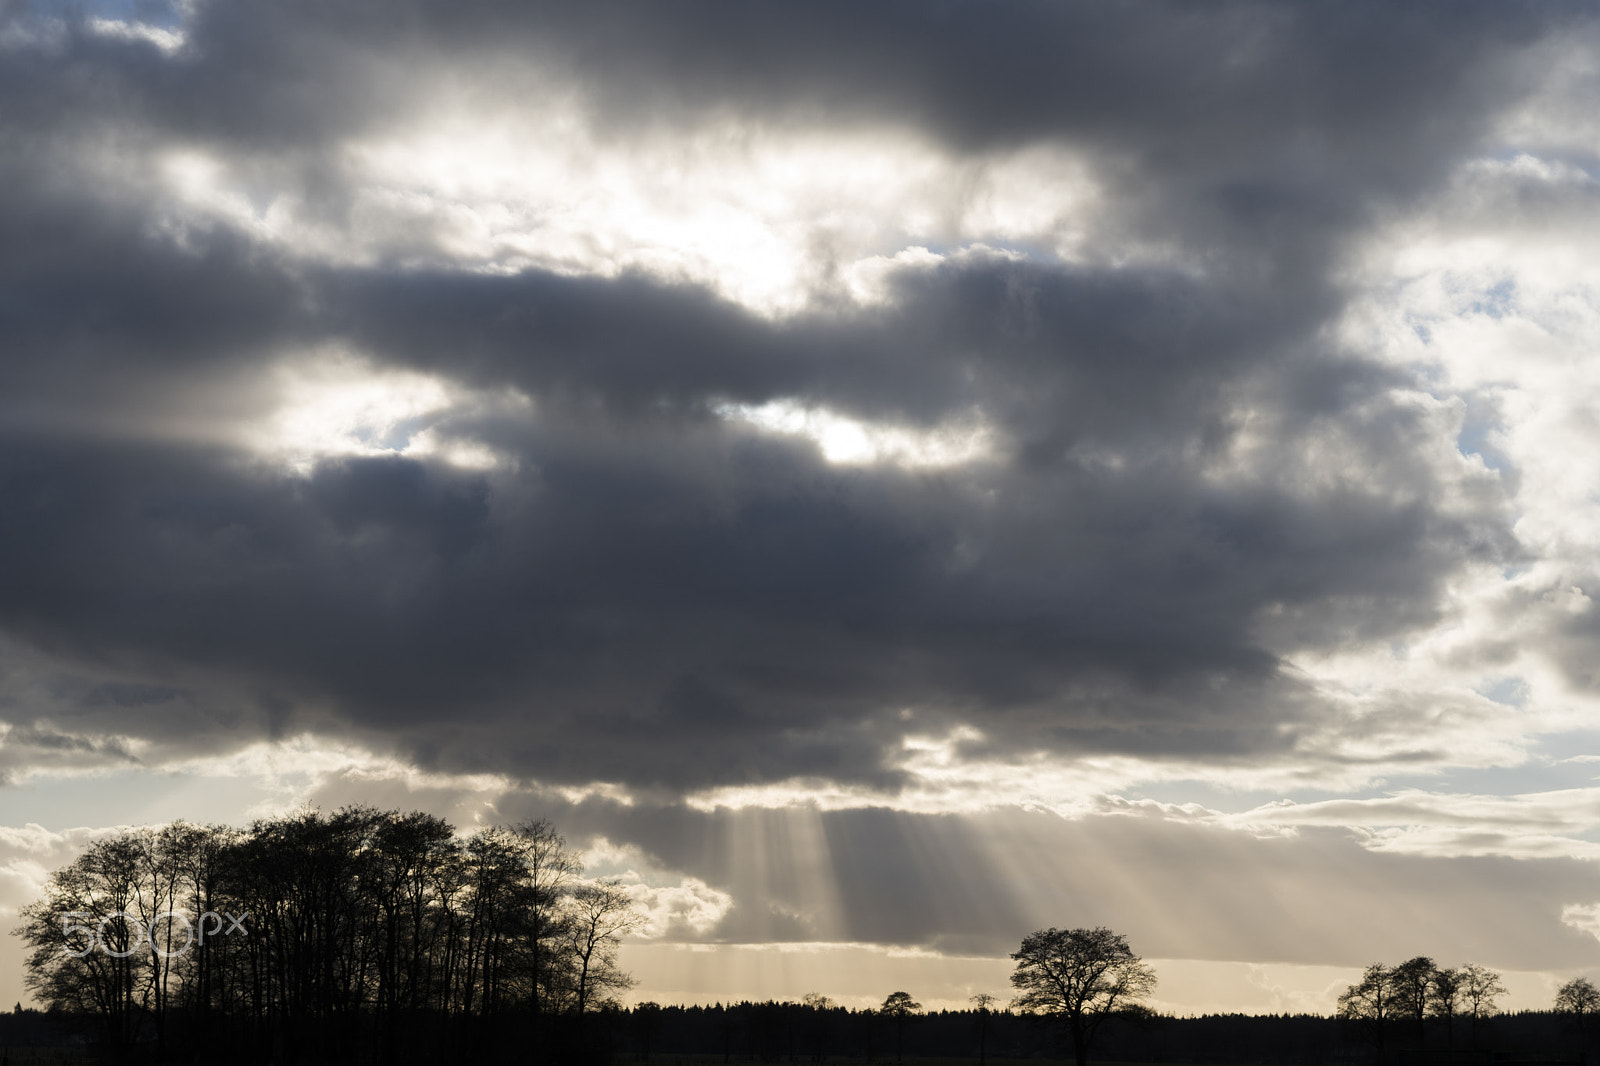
(782, 1032)
(377, 937)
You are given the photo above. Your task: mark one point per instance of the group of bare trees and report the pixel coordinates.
(353, 935)
(1405, 998)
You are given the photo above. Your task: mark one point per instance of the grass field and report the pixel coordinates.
(45, 1056)
(836, 1060)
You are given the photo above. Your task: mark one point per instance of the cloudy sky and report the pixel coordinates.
(882, 477)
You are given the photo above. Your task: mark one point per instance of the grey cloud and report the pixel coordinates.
(1211, 78)
(734, 608)
(656, 595)
(741, 610)
(975, 883)
(1249, 121)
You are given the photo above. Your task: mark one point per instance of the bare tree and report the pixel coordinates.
(1579, 998)
(550, 868)
(361, 923)
(1409, 983)
(87, 949)
(1080, 976)
(1480, 987)
(1369, 1004)
(819, 1007)
(1444, 1001)
(983, 1004)
(899, 1006)
(599, 914)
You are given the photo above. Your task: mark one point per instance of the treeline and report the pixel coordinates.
(778, 1032)
(804, 1032)
(818, 1031)
(357, 936)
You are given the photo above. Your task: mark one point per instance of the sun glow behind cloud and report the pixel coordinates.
(332, 405)
(764, 215)
(852, 441)
(773, 218)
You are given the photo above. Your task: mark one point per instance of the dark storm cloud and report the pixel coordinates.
(733, 607)
(1113, 355)
(105, 317)
(1215, 78)
(658, 595)
(1265, 116)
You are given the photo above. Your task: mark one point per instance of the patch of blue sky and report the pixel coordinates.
(1580, 745)
(1568, 155)
(1511, 691)
(394, 438)
(1538, 774)
(1475, 439)
(1497, 301)
(1227, 800)
(161, 14)
(1030, 250)
(1555, 763)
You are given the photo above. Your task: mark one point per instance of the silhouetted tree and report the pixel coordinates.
(1081, 977)
(899, 1006)
(1444, 1001)
(1579, 998)
(646, 1024)
(82, 942)
(361, 924)
(1369, 1005)
(1409, 985)
(599, 915)
(819, 1008)
(549, 869)
(983, 1003)
(1480, 987)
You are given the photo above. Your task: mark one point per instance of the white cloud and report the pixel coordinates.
(772, 217)
(851, 441)
(1412, 821)
(168, 40)
(333, 404)
(1584, 917)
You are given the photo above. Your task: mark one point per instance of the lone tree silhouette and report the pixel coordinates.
(1579, 998)
(899, 1006)
(1081, 977)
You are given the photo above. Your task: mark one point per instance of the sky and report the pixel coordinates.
(881, 477)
